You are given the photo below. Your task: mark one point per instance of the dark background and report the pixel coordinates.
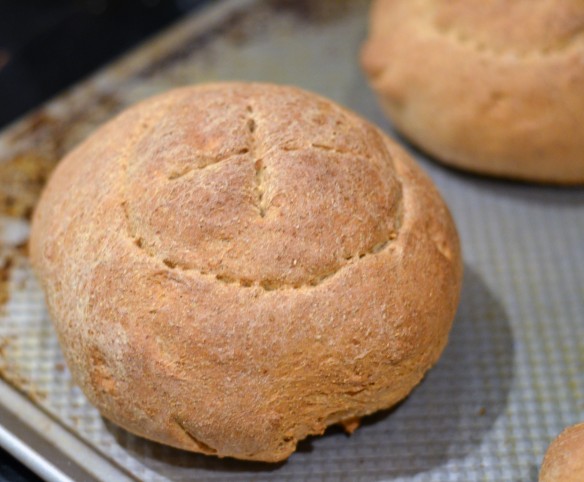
(48, 45)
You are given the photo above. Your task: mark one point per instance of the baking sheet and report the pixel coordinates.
(512, 375)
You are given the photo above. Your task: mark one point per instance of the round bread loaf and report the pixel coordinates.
(564, 460)
(233, 267)
(493, 87)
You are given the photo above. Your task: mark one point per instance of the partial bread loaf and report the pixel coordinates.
(233, 267)
(494, 87)
(564, 460)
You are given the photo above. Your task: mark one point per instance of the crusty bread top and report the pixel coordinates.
(521, 25)
(233, 267)
(259, 184)
(518, 26)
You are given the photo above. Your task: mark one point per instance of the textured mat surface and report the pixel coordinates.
(512, 375)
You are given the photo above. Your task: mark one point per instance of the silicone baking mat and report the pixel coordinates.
(512, 375)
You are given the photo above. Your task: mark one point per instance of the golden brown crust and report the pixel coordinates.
(564, 460)
(492, 87)
(233, 267)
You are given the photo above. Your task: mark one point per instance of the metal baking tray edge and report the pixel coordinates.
(45, 446)
(26, 431)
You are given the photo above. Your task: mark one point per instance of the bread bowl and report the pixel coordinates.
(232, 267)
(491, 87)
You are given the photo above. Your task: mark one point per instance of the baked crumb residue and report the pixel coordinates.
(21, 181)
(34, 146)
(10, 372)
(5, 267)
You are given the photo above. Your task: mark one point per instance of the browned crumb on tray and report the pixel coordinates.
(351, 424)
(10, 373)
(5, 266)
(36, 144)
(4, 342)
(21, 181)
(11, 257)
(22, 384)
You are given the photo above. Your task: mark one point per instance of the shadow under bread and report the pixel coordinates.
(446, 417)
(555, 196)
